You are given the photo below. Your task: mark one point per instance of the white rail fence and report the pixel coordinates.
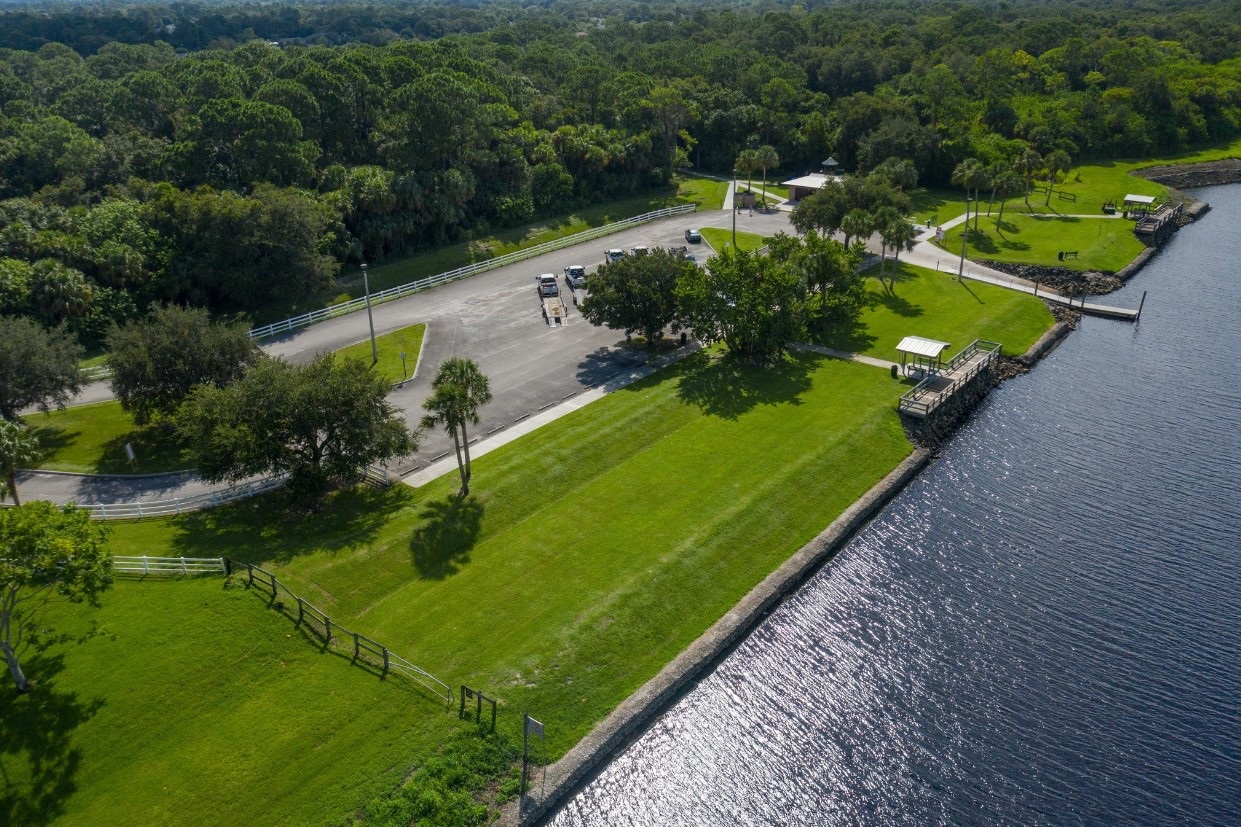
(173, 566)
(391, 293)
(181, 505)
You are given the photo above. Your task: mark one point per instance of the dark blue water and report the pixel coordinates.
(1044, 629)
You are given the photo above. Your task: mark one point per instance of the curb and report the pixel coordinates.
(594, 751)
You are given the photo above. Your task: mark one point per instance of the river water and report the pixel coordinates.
(1043, 629)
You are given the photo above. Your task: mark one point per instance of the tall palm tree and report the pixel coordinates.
(1027, 166)
(458, 390)
(855, 224)
(1056, 162)
(966, 176)
(1006, 183)
(747, 163)
(765, 156)
(18, 447)
(884, 216)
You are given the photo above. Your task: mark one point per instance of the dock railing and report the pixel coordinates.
(928, 394)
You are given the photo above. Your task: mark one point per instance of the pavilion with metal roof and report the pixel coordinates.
(921, 354)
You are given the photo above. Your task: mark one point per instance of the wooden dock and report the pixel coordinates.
(937, 388)
(1154, 229)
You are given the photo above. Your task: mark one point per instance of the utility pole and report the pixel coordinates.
(734, 199)
(964, 231)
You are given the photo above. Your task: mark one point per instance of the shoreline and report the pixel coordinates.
(633, 716)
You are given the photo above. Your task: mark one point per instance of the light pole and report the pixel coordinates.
(734, 209)
(964, 231)
(366, 285)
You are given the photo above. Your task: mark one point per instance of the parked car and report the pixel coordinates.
(575, 276)
(693, 235)
(610, 256)
(547, 286)
(641, 250)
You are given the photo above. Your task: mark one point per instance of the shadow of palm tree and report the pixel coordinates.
(727, 387)
(441, 546)
(38, 762)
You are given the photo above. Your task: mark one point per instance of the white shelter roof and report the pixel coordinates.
(813, 180)
(1139, 199)
(919, 346)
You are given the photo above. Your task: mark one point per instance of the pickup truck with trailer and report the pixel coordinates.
(575, 276)
(549, 293)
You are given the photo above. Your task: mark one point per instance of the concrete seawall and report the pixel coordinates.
(629, 719)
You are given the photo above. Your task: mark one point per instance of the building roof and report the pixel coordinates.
(813, 180)
(1139, 199)
(919, 346)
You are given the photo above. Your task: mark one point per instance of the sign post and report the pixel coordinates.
(403, 374)
(531, 727)
(129, 453)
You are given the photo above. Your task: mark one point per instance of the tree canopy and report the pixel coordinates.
(637, 293)
(38, 366)
(320, 424)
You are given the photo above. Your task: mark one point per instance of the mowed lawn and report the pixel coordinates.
(390, 346)
(589, 554)
(719, 239)
(937, 306)
(193, 703)
(1105, 244)
(90, 439)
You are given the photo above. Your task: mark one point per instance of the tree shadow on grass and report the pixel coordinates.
(441, 545)
(36, 730)
(603, 363)
(277, 528)
(849, 334)
(899, 305)
(156, 448)
(53, 438)
(727, 387)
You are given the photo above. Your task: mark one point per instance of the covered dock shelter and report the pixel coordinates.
(921, 355)
(1139, 204)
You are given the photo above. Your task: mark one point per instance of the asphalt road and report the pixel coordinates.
(493, 318)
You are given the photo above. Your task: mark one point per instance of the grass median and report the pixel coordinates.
(720, 239)
(590, 554)
(91, 439)
(407, 340)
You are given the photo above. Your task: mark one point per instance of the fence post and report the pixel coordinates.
(228, 566)
(461, 711)
(327, 626)
(385, 651)
(184, 568)
(250, 572)
(146, 565)
(355, 646)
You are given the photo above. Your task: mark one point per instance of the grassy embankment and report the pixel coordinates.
(720, 239)
(90, 439)
(588, 556)
(706, 192)
(937, 306)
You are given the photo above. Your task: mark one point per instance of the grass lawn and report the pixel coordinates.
(90, 439)
(589, 554)
(407, 340)
(1105, 244)
(937, 306)
(719, 239)
(96, 360)
(936, 204)
(196, 704)
(706, 192)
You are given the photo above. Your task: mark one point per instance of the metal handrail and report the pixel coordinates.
(392, 293)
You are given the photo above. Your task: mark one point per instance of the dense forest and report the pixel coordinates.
(235, 156)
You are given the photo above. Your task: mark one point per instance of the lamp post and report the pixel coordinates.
(964, 234)
(366, 285)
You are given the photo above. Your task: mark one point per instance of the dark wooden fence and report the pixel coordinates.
(314, 620)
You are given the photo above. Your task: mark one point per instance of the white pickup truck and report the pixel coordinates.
(549, 293)
(575, 276)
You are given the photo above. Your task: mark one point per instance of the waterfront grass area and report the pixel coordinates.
(706, 192)
(720, 239)
(938, 205)
(588, 555)
(407, 340)
(937, 306)
(90, 439)
(1105, 244)
(191, 702)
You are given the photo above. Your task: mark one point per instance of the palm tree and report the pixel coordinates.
(765, 156)
(966, 176)
(1006, 183)
(18, 447)
(884, 216)
(747, 163)
(1027, 166)
(898, 234)
(1056, 162)
(856, 223)
(457, 391)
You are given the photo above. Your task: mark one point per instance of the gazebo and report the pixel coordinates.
(921, 355)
